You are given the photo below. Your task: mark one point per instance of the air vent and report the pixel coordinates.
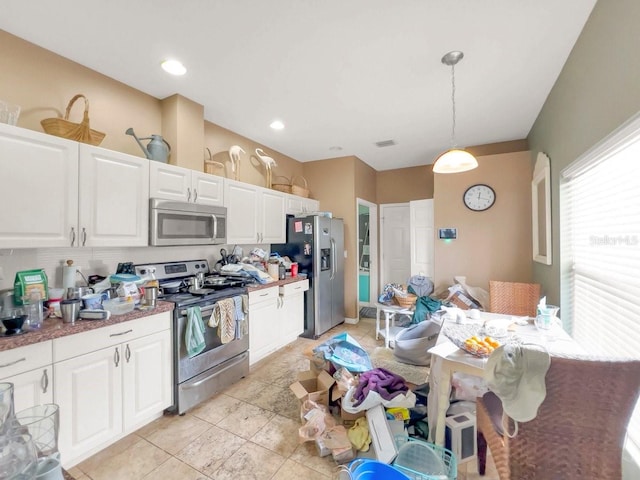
(385, 143)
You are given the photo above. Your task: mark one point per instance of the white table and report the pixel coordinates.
(446, 359)
(390, 329)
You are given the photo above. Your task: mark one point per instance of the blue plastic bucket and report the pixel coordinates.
(362, 469)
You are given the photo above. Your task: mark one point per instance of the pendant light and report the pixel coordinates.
(454, 160)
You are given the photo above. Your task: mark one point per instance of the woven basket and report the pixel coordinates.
(290, 187)
(80, 132)
(405, 302)
(298, 190)
(282, 187)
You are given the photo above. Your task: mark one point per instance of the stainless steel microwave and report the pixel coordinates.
(181, 223)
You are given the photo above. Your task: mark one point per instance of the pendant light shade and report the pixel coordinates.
(454, 160)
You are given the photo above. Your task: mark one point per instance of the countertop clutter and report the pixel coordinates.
(276, 283)
(56, 328)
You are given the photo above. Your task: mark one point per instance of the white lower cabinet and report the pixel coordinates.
(263, 318)
(276, 318)
(291, 307)
(30, 370)
(109, 382)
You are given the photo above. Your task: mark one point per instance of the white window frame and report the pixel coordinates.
(590, 167)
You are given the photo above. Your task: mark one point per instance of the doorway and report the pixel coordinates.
(367, 236)
(396, 243)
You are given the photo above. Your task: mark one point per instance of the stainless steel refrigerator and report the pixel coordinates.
(317, 244)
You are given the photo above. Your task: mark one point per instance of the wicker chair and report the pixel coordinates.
(513, 298)
(580, 427)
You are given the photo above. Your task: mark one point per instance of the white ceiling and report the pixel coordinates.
(344, 73)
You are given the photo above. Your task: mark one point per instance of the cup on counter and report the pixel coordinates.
(294, 269)
(92, 301)
(150, 296)
(70, 309)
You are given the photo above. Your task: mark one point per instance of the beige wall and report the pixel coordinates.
(218, 140)
(404, 184)
(365, 181)
(494, 244)
(42, 83)
(596, 92)
(183, 128)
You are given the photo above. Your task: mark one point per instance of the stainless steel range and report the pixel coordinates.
(190, 284)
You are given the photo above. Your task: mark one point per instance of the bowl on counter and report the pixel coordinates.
(118, 306)
(13, 324)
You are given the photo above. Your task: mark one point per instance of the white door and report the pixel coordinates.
(207, 189)
(114, 199)
(88, 391)
(422, 239)
(241, 200)
(395, 243)
(273, 222)
(146, 378)
(38, 189)
(169, 182)
(32, 388)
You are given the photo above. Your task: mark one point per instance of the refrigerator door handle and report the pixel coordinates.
(333, 259)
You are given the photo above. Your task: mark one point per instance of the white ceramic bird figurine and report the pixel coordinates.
(234, 155)
(268, 162)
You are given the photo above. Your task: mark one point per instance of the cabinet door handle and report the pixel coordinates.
(84, 236)
(73, 236)
(116, 357)
(127, 353)
(121, 333)
(195, 195)
(188, 194)
(44, 381)
(23, 359)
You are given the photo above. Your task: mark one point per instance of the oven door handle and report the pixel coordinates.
(208, 309)
(208, 377)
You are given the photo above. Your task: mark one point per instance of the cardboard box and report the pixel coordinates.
(346, 416)
(313, 386)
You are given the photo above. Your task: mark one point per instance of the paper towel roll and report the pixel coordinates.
(69, 276)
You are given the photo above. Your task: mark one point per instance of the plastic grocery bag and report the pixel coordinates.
(344, 350)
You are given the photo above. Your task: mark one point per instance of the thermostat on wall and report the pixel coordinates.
(447, 233)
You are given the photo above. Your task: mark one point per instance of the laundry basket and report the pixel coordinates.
(420, 460)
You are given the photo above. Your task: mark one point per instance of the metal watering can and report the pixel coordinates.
(157, 149)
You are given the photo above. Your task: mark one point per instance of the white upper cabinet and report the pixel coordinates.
(184, 185)
(254, 214)
(114, 199)
(300, 206)
(39, 189)
(272, 219)
(59, 193)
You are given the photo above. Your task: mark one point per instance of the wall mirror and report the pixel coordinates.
(541, 209)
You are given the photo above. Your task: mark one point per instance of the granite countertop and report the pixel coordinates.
(56, 328)
(276, 283)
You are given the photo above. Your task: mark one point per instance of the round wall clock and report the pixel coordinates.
(479, 197)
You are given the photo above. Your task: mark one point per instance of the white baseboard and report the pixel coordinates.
(351, 321)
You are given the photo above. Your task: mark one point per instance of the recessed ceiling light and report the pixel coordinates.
(174, 67)
(277, 125)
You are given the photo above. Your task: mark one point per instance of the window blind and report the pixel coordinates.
(600, 247)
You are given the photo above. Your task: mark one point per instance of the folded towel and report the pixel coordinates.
(225, 310)
(194, 336)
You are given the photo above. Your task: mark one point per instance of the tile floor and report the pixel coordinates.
(247, 432)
